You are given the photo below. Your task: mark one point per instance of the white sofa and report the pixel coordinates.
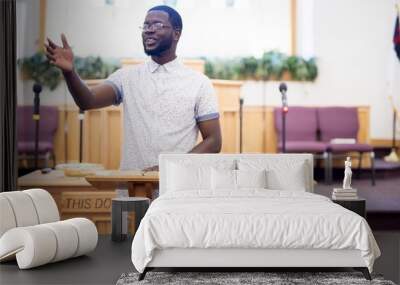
(31, 230)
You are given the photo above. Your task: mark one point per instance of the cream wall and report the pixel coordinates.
(352, 40)
(208, 26)
(27, 37)
(356, 60)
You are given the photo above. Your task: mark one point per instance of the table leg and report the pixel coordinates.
(124, 224)
(132, 189)
(139, 190)
(116, 221)
(149, 190)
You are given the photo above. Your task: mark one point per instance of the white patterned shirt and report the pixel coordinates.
(162, 105)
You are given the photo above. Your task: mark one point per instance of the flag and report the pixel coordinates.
(396, 38)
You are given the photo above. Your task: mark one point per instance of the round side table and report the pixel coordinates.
(119, 214)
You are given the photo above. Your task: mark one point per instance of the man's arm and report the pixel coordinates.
(211, 132)
(87, 98)
(63, 58)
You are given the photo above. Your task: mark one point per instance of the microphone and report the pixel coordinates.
(283, 90)
(285, 109)
(283, 87)
(37, 88)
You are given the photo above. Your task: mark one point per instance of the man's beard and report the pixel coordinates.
(162, 47)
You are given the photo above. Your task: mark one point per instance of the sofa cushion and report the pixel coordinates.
(337, 122)
(305, 146)
(301, 123)
(48, 124)
(23, 208)
(32, 246)
(7, 220)
(67, 240)
(29, 147)
(46, 207)
(359, 147)
(87, 235)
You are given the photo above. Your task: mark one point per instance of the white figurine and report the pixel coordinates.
(347, 174)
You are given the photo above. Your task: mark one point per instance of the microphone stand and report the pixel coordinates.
(394, 131)
(81, 117)
(284, 112)
(241, 100)
(285, 109)
(37, 88)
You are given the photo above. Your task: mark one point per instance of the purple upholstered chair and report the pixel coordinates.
(26, 131)
(342, 122)
(301, 132)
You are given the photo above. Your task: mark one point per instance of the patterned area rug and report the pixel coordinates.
(230, 278)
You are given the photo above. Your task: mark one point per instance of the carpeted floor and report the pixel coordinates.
(382, 200)
(383, 197)
(243, 278)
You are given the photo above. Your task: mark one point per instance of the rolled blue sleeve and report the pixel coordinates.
(115, 81)
(207, 103)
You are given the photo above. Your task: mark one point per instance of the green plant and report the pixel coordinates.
(224, 71)
(38, 68)
(273, 63)
(219, 69)
(93, 67)
(297, 67)
(312, 69)
(209, 68)
(246, 68)
(271, 66)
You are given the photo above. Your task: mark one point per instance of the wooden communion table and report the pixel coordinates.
(139, 183)
(91, 196)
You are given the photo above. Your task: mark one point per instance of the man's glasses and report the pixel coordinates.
(153, 27)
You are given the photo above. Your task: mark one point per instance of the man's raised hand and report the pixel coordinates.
(86, 98)
(62, 57)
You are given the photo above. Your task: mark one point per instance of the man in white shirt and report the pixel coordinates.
(165, 103)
